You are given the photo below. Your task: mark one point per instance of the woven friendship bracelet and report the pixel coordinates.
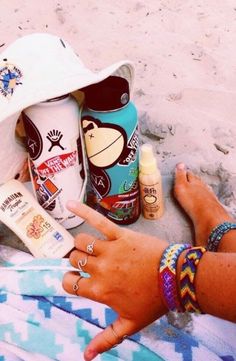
(167, 275)
(187, 278)
(217, 234)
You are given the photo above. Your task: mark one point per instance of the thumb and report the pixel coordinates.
(114, 334)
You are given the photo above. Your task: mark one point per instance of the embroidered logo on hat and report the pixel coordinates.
(10, 77)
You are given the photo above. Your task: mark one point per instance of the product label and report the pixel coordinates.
(11, 202)
(130, 153)
(121, 208)
(113, 167)
(40, 232)
(35, 228)
(152, 201)
(45, 189)
(105, 142)
(56, 180)
(55, 136)
(57, 164)
(100, 181)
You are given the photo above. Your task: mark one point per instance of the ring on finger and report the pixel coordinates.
(90, 247)
(82, 263)
(76, 285)
(120, 339)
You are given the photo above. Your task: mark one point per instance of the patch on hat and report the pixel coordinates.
(10, 77)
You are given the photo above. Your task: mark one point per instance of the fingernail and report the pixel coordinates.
(71, 205)
(180, 166)
(90, 355)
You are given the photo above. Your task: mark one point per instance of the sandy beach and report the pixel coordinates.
(185, 78)
(184, 86)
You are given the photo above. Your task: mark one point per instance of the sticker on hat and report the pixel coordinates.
(10, 78)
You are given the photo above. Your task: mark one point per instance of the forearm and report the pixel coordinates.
(215, 284)
(228, 242)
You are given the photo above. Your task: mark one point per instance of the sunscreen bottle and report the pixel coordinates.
(150, 184)
(42, 235)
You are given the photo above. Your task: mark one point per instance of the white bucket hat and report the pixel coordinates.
(33, 69)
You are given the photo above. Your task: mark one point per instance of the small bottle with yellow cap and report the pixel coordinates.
(150, 182)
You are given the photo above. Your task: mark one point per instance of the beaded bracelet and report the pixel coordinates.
(167, 276)
(216, 235)
(187, 278)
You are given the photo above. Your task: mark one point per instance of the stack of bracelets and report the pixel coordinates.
(185, 298)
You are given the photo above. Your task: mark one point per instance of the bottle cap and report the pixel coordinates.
(110, 94)
(147, 162)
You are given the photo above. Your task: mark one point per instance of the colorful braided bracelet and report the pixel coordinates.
(217, 234)
(167, 276)
(187, 278)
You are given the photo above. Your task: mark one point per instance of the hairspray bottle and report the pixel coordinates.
(55, 155)
(110, 128)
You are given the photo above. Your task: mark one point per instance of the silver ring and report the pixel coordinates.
(76, 286)
(120, 339)
(82, 263)
(90, 247)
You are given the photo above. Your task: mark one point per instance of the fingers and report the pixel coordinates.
(110, 337)
(75, 284)
(95, 219)
(83, 261)
(89, 244)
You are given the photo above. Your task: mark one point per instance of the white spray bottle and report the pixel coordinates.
(150, 184)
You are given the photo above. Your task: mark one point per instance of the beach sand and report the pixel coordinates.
(184, 87)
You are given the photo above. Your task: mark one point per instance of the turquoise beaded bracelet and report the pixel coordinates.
(217, 234)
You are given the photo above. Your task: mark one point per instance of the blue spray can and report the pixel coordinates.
(110, 128)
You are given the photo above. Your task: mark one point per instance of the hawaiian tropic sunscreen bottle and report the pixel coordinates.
(110, 128)
(42, 235)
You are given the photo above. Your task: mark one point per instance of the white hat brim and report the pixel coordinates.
(49, 68)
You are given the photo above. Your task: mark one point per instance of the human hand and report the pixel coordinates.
(124, 275)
